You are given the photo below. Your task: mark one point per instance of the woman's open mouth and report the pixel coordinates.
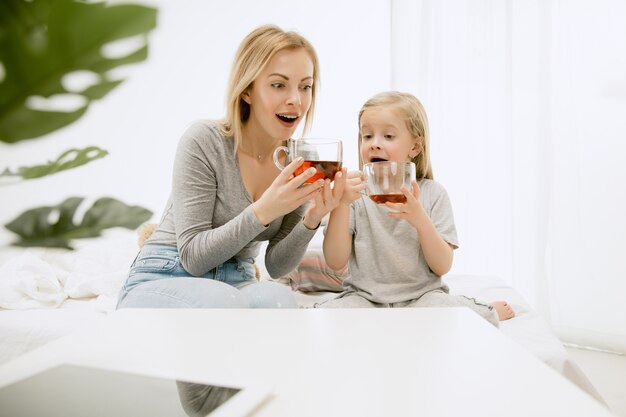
(288, 119)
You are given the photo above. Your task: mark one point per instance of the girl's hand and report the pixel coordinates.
(286, 193)
(354, 187)
(437, 251)
(411, 210)
(326, 200)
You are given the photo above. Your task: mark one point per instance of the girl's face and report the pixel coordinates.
(280, 96)
(385, 136)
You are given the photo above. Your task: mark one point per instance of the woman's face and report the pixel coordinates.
(281, 95)
(385, 136)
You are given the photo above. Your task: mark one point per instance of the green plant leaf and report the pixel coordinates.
(54, 226)
(69, 159)
(42, 41)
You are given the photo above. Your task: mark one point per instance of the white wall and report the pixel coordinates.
(185, 78)
(527, 104)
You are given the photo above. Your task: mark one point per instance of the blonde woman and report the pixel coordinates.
(397, 252)
(227, 194)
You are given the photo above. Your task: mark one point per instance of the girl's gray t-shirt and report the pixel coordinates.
(209, 214)
(387, 264)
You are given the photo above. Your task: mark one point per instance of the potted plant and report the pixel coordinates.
(45, 46)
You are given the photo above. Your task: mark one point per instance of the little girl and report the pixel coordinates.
(398, 253)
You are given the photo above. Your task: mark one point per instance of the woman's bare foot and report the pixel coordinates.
(504, 310)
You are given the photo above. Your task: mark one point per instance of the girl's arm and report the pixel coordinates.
(337, 239)
(437, 251)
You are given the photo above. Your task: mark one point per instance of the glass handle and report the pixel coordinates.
(276, 152)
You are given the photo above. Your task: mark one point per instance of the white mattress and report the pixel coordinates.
(87, 282)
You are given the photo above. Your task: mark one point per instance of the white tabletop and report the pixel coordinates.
(361, 362)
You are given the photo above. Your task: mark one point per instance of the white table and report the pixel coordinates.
(361, 362)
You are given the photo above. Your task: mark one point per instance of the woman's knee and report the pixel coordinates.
(269, 295)
(183, 293)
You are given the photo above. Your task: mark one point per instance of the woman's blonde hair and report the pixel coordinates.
(416, 121)
(255, 51)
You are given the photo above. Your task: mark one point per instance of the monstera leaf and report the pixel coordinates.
(44, 43)
(67, 160)
(55, 227)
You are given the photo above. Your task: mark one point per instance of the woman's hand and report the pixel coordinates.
(286, 193)
(347, 188)
(326, 200)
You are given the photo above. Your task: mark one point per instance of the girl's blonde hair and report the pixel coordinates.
(254, 52)
(416, 121)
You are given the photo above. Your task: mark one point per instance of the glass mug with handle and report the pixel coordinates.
(325, 155)
(385, 178)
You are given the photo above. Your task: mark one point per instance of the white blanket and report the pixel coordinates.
(46, 278)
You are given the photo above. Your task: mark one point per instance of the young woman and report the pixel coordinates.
(227, 194)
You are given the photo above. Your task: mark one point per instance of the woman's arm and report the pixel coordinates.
(202, 155)
(201, 245)
(287, 247)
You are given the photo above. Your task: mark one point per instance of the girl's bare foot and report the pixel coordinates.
(503, 309)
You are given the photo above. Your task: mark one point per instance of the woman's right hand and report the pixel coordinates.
(286, 193)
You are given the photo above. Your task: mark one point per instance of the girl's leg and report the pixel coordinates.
(442, 299)
(183, 293)
(350, 300)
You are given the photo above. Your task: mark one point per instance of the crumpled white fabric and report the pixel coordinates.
(29, 282)
(45, 278)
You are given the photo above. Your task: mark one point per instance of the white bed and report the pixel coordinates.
(46, 294)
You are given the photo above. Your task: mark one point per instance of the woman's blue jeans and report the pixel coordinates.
(158, 280)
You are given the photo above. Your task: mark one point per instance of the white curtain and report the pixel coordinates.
(527, 106)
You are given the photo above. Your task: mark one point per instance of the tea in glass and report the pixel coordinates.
(325, 155)
(384, 180)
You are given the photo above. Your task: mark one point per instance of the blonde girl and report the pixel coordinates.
(397, 252)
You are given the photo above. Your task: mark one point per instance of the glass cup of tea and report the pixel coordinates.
(325, 155)
(385, 178)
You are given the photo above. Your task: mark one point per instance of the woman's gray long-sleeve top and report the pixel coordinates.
(209, 215)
